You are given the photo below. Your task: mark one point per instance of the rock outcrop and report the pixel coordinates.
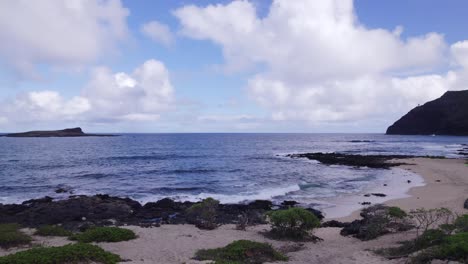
(371, 161)
(78, 211)
(69, 132)
(447, 115)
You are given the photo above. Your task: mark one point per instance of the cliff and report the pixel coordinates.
(447, 115)
(69, 132)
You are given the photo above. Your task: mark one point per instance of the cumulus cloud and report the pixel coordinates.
(108, 97)
(65, 33)
(319, 63)
(158, 32)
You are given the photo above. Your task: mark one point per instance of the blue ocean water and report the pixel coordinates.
(230, 167)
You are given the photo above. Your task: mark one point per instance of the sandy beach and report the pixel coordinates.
(446, 185)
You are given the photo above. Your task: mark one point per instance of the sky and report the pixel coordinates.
(305, 66)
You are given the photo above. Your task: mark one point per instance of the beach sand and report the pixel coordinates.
(178, 243)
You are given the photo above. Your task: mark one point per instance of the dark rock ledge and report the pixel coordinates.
(371, 161)
(354, 160)
(78, 212)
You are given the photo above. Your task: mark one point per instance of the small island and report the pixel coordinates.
(68, 132)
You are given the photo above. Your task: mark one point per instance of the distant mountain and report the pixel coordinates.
(447, 115)
(69, 132)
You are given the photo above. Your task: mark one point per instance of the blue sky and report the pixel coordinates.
(227, 66)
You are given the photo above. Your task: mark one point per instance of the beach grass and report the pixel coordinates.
(104, 234)
(72, 253)
(11, 236)
(52, 230)
(241, 251)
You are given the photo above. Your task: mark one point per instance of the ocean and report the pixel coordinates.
(230, 167)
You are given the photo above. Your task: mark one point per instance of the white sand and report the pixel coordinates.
(178, 243)
(394, 185)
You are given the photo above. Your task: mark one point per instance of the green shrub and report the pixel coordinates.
(203, 214)
(396, 212)
(72, 253)
(52, 230)
(241, 252)
(429, 238)
(461, 223)
(293, 222)
(11, 236)
(104, 234)
(454, 247)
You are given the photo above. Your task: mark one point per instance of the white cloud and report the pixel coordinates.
(319, 63)
(44, 106)
(108, 97)
(460, 53)
(227, 118)
(134, 96)
(158, 32)
(66, 33)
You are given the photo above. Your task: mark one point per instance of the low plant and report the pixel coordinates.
(72, 253)
(461, 223)
(454, 248)
(397, 212)
(104, 234)
(378, 220)
(430, 238)
(203, 214)
(241, 252)
(11, 236)
(292, 222)
(52, 230)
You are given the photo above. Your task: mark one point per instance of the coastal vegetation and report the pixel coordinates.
(446, 241)
(203, 214)
(52, 230)
(241, 252)
(294, 223)
(378, 220)
(11, 236)
(71, 253)
(104, 234)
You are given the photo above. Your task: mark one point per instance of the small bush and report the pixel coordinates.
(454, 247)
(397, 212)
(72, 253)
(378, 220)
(10, 236)
(51, 230)
(241, 252)
(293, 222)
(461, 223)
(203, 214)
(429, 238)
(104, 234)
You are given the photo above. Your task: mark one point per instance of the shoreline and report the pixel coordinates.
(395, 184)
(409, 186)
(177, 243)
(446, 185)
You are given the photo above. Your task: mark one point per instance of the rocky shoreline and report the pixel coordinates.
(81, 212)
